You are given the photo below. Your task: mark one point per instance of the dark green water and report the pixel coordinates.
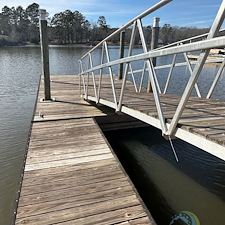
(195, 184)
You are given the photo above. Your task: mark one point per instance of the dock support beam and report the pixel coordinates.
(45, 53)
(122, 44)
(154, 44)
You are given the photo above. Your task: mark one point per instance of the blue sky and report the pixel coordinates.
(199, 13)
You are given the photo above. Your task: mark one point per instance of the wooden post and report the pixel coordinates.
(122, 45)
(45, 53)
(155, 36)
(154, 44)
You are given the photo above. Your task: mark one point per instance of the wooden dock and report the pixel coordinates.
(202, 122)
(210, 59)
(71, 175)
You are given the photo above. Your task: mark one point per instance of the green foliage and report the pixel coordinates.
(70, 27)
(22, 25)
(169, 34)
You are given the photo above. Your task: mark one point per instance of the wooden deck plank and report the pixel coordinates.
(76, 167)
(71, 176)
(63, 176)
(116, 217)
(74, 201)
(81, 210)
(55, 148)
(66, 162)
(70, 181)
(197, 110)
(52, 195)
(64, 150)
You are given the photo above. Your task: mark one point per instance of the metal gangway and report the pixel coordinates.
(99, 83)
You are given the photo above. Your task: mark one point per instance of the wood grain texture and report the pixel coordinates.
(71, 175)
(197, 112)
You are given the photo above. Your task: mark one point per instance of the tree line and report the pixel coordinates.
(19, 26)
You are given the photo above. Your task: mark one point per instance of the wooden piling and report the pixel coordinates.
(122, 45)
(155, 33)
(45, 53)
(154, 44)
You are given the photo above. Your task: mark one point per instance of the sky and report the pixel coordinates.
(199, 13)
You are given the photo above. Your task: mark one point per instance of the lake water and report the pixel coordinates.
(196, 184)
(19, 77)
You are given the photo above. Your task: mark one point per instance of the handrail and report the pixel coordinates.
(196, 46)
(145, 59)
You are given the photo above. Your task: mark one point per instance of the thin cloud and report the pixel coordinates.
(188, 18)
(201, 22)
(107, 13)
(211, 6)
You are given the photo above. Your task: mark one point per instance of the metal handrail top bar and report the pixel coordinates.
(188, 39)
(147, 12)
(196, 46)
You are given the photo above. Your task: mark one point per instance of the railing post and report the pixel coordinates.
(122, 45)
(154, 44)
(45, 53)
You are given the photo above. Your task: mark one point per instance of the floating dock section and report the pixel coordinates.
(71, 174)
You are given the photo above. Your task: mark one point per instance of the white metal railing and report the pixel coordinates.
(209, 41)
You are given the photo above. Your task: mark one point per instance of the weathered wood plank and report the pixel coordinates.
(80, 211)
(74, 201)
(65, 156)
(64, 150)
(68, 182)
(68, 147)
(75, 175)
(115, 217)
(52, 195)
(69, 132)
(72, 140)
(70, 161)
(64, 168)
(197, 110)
